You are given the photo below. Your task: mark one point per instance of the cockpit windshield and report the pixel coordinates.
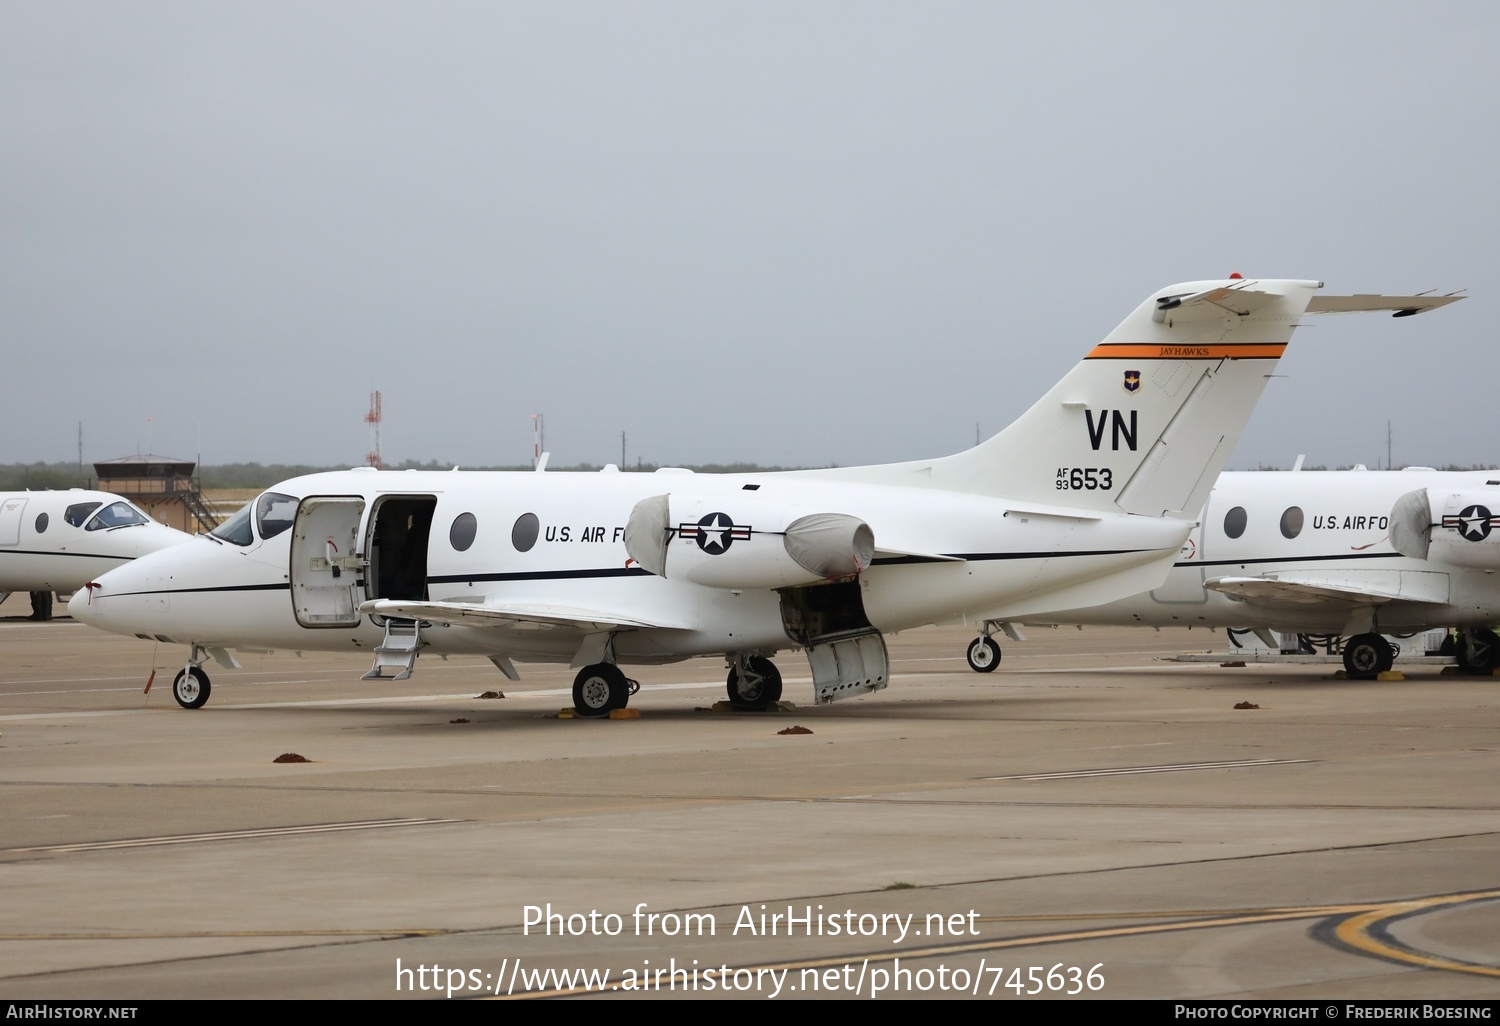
(271, 514)
(236, 530)
(116, 514)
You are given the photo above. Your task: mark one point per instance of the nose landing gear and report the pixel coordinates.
(190, 687)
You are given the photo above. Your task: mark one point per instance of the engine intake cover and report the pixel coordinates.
(740, 542)
(1465, 533)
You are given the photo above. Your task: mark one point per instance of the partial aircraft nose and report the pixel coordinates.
(80, 606)
(204, 590)
(129, 599)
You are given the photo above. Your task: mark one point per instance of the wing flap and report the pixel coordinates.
(1348, 589)
(521, 616)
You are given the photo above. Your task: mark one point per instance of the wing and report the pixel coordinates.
(1329, 588)
(516, 616)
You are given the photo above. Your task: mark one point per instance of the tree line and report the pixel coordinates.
(18, 477)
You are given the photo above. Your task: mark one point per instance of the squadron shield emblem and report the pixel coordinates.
(1132, 382)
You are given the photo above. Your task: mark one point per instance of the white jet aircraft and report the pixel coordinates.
(1353, 554)
(57, 541)
(1087, 498)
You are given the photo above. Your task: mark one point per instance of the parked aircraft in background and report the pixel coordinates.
(1087, 498)
(56, 541)
(1355, 554)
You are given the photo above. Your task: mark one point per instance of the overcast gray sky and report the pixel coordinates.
(789, 233)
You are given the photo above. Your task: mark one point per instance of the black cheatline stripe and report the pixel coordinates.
(542, 575)
(80, 555)
(284, 586)
(975, 557)
(635, 571)
(1291, 559)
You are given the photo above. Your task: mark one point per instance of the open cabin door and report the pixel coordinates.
(327, 571)
(396, 545)
(332, 573)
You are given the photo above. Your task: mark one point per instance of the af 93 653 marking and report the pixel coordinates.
(1084, 479)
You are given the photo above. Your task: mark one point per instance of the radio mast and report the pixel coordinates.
(372, 458)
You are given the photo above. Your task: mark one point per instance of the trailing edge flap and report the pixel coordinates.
(1351, 588)
(515, 616)
(1404, 306)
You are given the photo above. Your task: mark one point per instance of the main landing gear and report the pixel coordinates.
(1366, 656)
(754, 682)
(41, 605)
(1478, 651)
(600, 689)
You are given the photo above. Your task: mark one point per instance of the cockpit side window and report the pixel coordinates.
(116, 514)
(270, 514)
(77, 513)
(236, 530)
(274, 513)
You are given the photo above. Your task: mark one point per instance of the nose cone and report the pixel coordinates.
(81, 607)
(113, 601)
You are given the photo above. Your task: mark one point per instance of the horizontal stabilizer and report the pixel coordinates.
(1347, 589)
(513, 616)
(1403, 306)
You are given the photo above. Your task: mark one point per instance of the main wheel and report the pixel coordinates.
(759, 688)
(599, 690)
(983, 655)
(41, 605)
(191, 688)
(1478, 651)
(1366, 656)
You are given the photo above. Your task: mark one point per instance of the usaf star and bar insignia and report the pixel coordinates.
(1474, 523)
(714, 533)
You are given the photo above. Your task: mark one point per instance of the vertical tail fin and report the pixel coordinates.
(1145, 423)
(1147, 420)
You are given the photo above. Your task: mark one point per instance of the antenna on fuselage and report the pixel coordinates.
(372, 458)
(536, 442)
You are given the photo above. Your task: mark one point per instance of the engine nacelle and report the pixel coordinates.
(740, 542)
(1456, 529)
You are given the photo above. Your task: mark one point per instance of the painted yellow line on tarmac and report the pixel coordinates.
(1359, 933)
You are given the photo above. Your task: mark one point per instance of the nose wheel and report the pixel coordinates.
(190, 688)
